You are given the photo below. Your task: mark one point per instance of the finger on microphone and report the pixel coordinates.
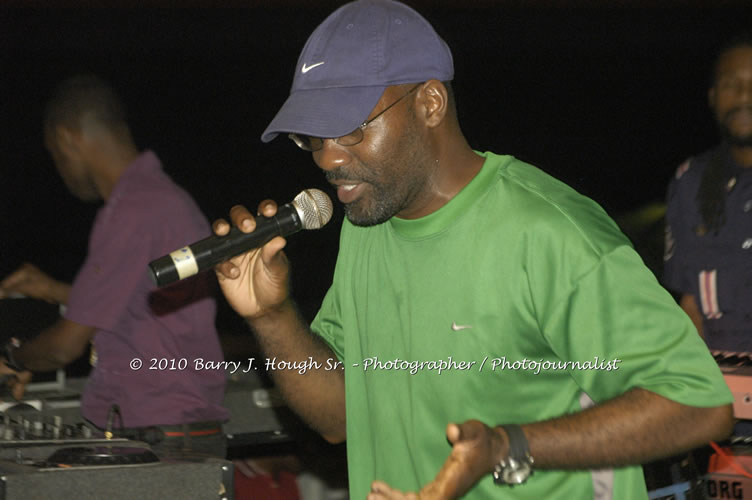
(273, 248)
(242, 218)
(221, 227)
(267, 208)
(226, 270)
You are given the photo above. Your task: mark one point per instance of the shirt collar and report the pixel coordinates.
(442, 218)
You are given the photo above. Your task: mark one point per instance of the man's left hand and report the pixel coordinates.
(15, 380)
(476, 448)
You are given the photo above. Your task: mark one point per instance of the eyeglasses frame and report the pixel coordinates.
(301, 143)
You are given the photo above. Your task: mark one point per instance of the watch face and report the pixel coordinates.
(512, 472)
(516, 473)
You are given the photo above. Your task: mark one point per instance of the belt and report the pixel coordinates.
(156, 433)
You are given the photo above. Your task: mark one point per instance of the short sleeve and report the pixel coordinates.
(328, 321)
(618, 310)
(327, 324)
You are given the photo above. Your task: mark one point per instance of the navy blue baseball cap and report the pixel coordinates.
(350, 59)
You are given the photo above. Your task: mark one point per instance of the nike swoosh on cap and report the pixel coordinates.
(457, 327)
(306, 69)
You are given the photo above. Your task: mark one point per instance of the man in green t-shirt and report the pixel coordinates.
(475, 298)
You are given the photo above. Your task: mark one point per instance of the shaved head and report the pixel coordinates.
(85, 97)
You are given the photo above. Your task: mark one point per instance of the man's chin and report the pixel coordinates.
(741, 141)
(737, 140)
(360, 219)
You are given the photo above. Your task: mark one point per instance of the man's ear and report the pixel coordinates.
(435, 99)
(69, 140)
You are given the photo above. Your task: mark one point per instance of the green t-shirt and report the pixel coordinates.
(518, 301)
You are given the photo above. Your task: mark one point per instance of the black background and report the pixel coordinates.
(609, 97)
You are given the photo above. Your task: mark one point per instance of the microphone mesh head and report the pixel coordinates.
(315, 208)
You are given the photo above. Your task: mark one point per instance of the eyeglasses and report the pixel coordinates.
(309, 143)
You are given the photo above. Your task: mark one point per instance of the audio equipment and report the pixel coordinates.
(737, 371)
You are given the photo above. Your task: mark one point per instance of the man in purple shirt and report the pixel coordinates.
(150, 347)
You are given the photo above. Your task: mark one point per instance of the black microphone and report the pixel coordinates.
(311, 209)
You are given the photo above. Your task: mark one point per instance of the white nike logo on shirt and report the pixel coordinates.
(306, 69)
(457, 327)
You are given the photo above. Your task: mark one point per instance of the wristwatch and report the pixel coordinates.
(518, 465)
(10, 360)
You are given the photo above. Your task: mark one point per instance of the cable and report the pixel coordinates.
(731, 460)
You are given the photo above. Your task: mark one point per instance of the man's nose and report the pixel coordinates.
(331, 155)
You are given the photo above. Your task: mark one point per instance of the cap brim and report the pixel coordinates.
(330, 112)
